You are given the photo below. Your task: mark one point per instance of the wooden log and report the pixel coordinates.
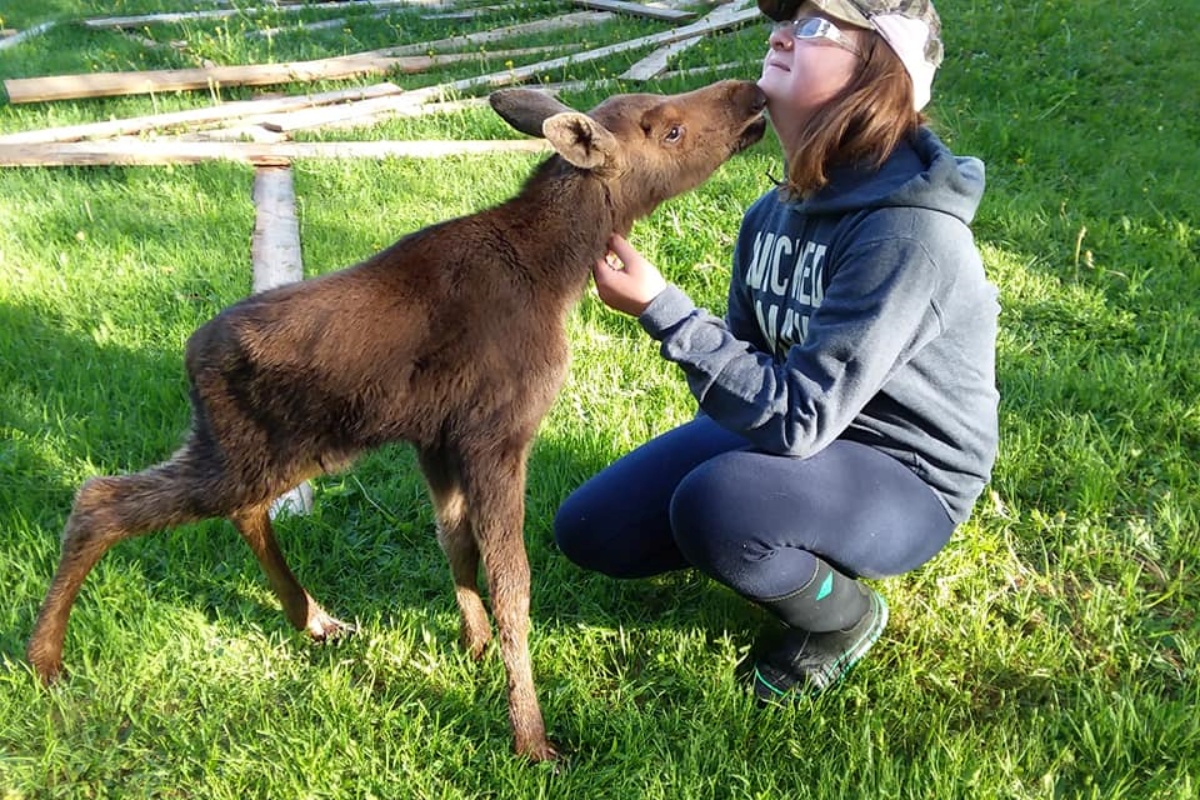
(108, 84)
(637, 10)
(197, 116)
(133, 152)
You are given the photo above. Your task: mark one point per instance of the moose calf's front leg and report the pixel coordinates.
(458, 543)
(459, 546)
(497, 512)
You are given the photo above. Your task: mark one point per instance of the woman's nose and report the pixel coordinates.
(780, 38)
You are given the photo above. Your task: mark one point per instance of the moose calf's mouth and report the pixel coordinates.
(756, 126)
(752, 133)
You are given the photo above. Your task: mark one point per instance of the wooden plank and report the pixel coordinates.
(141, 20)
(562, 22)
(346, 112)
(396, 109)
(656, 63)
(197, 116)
(338, 22)
(109, 84)
(550, 24)
(239, 132)
(275, 261)
(302, 27)
(275, 245)
(365, 118)
(709, 69)
(714, 23)
(28, 33)
(138, 152)
(637, 10)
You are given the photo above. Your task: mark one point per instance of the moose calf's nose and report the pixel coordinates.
(752, 96)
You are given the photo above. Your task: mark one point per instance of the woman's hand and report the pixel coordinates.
(629, 284)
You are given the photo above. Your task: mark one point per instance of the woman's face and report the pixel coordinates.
(800, 74)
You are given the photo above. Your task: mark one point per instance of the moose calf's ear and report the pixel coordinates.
(580, 139)
(526, 109)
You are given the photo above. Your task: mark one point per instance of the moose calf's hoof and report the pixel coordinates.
(541, 752)
(476, 644)
(48, 668)
(324, 628)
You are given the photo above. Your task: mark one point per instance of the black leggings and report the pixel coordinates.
(699, 496)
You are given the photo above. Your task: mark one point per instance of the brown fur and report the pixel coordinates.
(451, 339)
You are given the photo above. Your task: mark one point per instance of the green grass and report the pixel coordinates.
(1049, 652)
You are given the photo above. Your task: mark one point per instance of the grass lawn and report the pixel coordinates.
(1050, 651)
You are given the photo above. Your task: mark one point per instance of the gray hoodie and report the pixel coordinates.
(862, 313)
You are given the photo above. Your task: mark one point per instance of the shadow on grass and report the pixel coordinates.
(368, 550)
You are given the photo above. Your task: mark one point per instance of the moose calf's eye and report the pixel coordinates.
(674, 134)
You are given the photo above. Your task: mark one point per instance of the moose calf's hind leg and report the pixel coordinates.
(106, 510)
(299, 607)
(90, 531)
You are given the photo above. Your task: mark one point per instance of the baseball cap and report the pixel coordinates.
(910, 27)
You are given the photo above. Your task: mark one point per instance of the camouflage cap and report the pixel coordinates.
(911, 28)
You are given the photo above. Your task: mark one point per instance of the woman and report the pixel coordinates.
(847, 408)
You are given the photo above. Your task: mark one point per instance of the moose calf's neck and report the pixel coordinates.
(558, 226)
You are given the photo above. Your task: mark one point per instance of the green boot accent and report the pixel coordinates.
(805, 663)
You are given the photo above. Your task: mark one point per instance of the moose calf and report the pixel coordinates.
(452, 339)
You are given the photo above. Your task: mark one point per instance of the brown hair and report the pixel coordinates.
(861, 124)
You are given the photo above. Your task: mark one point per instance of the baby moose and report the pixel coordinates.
(452, 339)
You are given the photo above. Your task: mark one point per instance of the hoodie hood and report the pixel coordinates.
(921, 173)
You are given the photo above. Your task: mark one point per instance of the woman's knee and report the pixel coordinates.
(704, 516)
(574, 534)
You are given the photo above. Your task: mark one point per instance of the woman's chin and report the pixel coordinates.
(772, 84)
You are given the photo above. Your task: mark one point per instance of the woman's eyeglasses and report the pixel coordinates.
(811, 29)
